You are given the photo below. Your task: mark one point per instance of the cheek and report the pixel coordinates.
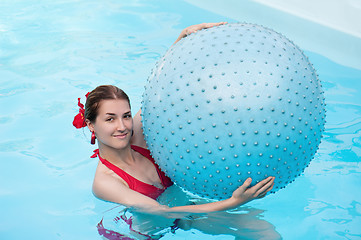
(101, 129)
(129, 124)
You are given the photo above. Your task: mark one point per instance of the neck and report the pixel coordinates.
(116, 156)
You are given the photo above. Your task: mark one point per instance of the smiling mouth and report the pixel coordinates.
(120, 136)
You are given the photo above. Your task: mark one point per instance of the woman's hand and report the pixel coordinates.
(195, 28)
(244, 193)
(240, 196)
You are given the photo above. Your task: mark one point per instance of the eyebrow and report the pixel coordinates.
(113, 114)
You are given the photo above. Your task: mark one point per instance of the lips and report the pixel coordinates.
(120, 136)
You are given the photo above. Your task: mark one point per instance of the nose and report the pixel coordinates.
(121, 126)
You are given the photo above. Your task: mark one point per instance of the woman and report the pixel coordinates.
(126, 173)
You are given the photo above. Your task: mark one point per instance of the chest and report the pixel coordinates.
(142, 169)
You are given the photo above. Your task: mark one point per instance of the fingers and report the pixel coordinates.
(195, 28)
(246, 184)
(209, 25)
(245, 193)
(206, 25)
(242, 189)
(261, 195)
(264, 186)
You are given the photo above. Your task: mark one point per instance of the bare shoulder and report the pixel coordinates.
(110, 188)
(106, 185)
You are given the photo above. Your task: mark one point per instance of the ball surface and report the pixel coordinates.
(232, 102)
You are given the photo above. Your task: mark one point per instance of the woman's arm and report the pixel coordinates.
(138, 137)
(110, 189)
(239, 197)
(195, 28)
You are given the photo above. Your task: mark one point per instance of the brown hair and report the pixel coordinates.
(103, 92)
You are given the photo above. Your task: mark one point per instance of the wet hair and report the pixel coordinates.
(103, 92)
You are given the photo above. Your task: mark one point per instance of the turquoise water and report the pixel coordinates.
(52, 52)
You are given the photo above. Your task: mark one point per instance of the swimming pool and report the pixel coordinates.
(52, 52)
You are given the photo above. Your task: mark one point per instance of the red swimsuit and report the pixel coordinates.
(135, 184)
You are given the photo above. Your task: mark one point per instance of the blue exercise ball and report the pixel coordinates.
(232, 102)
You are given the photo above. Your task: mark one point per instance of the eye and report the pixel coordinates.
(109, 119)
(127, 116)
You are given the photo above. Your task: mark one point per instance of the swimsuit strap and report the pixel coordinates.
(133, 183)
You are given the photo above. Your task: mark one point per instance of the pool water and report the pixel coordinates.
(52, 52)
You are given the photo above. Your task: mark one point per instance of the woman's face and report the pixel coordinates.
(114, 124)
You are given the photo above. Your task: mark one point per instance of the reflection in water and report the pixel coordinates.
(245, 223)
(242, 223)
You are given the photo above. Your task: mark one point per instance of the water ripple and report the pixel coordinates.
(5, 120)
(16, 145)
(343, 141)
(334, 213)
(11, 88)
(50, 165)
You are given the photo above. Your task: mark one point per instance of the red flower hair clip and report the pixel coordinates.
(79, 119)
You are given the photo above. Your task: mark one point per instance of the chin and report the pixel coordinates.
(118, 144)
(123, 144)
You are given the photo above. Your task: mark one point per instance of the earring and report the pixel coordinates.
(92, 140)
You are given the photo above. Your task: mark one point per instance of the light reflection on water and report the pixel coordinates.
(53, 52)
